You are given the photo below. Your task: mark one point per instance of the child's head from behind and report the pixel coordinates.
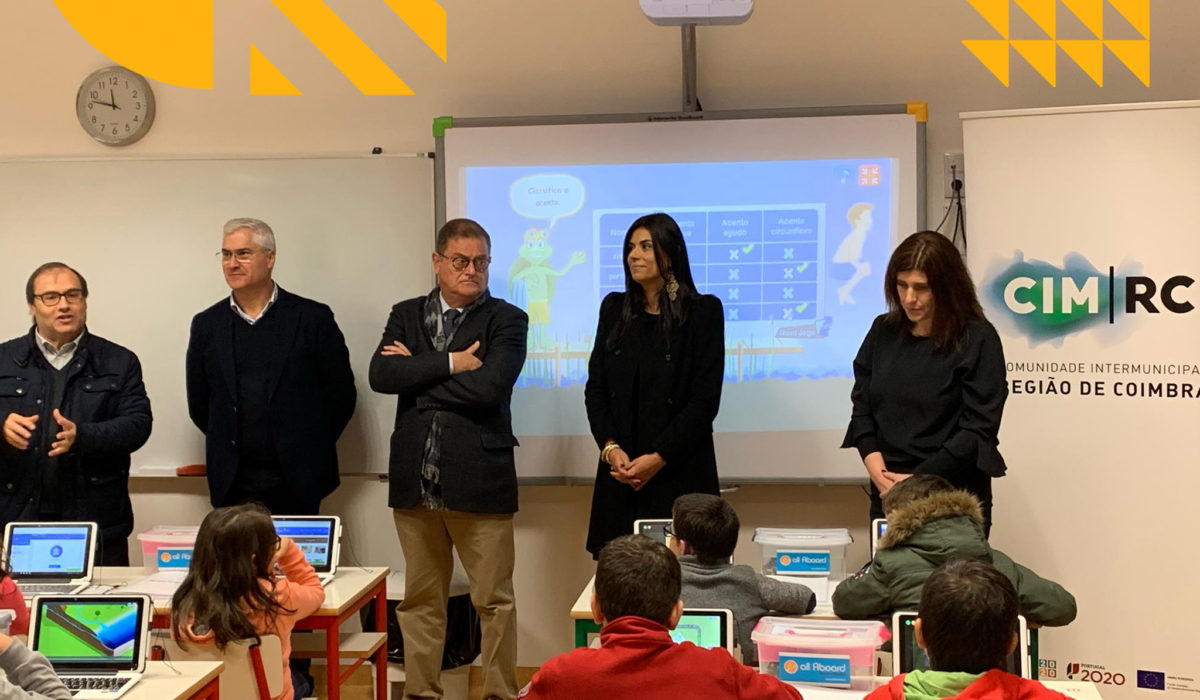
(235, 548)
(239, 541)
(707, 525)
(914, 488)
(636, 575)
(967, 619)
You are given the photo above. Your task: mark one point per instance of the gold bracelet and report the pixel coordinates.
(608, 448)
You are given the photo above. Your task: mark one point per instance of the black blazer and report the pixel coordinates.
(676, 402)
(478, 474)
(311, 397)
(107, 400)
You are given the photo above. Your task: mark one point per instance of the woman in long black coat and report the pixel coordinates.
(654, 384)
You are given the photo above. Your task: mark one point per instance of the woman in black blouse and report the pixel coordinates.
(929, 382)
(654, 384)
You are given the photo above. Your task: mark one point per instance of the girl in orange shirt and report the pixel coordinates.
(232, 590)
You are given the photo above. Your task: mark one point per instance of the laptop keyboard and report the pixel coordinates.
(28, 588)
(78, 684)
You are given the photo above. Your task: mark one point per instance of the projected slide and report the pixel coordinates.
(88, 631)
(794, 249)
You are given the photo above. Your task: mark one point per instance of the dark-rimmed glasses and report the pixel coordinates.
(460, 262)
(72, 296)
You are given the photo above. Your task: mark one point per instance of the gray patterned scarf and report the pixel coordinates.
(442, 334)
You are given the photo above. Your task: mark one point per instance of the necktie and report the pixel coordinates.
(450, 320)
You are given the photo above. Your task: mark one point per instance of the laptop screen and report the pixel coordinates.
(314, 537)
(913, 658)
(90, 632)
(50, 550)
(705, 628)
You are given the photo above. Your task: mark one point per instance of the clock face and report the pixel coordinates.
(115, 106)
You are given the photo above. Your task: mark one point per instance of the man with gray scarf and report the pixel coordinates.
(452, 358)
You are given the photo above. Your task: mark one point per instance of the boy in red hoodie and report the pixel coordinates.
(967, 625)
(637, 600)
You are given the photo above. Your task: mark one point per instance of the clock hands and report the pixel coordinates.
(106, 104)
(113, 99)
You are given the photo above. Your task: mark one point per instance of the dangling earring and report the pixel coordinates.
(672, 286)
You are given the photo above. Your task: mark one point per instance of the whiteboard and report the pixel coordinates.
(353, 233)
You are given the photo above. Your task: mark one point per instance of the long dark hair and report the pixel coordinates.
(225, 582)
(670, 254)
(954, 301)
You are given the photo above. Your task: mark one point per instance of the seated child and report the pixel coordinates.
(930, 522)
(27, 674)
(704, 532)
(231, 591)
(12, 599)
(637, 600)
(967, 625)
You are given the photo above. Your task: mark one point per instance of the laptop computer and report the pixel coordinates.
(652, 528)
(318, 536)
(96, 644)
(907, 656)
(50, 558)
(878, 527)
(705, 627)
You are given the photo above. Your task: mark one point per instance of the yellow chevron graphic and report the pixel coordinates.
(1135, 54)
(1136, 12)
(1088, 54)
(1041, 55)
(1090, 12)
(172, 41)
(993, 54)
(265, 78)
(1042, 13)
(995, 12)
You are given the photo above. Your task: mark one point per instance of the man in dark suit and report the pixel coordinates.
(452, 357)
(74, 408)
(269, 384)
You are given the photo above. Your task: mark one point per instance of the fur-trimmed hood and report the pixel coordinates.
(906, 522)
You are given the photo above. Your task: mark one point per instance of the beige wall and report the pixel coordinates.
(575, 56)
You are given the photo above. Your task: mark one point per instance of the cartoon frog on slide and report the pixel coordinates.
(533, 268)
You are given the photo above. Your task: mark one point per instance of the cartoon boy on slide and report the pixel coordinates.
(847, 261)
(533, 268)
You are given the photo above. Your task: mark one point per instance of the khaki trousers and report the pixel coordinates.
(485, 547)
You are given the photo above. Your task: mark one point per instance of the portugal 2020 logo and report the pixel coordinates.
(1048, 302)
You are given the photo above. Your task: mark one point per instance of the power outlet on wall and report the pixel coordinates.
(953, 167)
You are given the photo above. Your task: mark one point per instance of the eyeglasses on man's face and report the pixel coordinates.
(73, 296)
(460, 262)
(242, 255)
(668, 531)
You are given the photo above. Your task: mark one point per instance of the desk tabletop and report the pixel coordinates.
(160, 682)
(348, 587)
(582, 609)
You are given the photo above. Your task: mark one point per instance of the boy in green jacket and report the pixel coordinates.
(929, 523)
(967, 626)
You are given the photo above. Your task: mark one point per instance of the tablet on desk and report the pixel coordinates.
(907, 656)
(655, 529)
(705, 627)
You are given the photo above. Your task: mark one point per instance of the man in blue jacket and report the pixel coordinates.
(74, 409)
